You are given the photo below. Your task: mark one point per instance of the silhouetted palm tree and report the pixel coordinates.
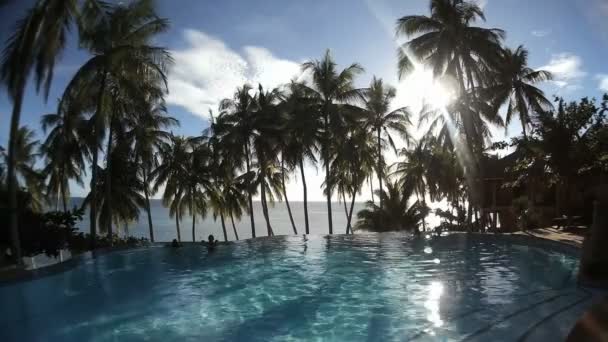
(170, 172)
(383, 119)
(34, 46)
(398, 214)
(300, 136)
(447, 42)
(515, 85)
(330, 88)
(64, 151)
(124, 73)
(26, 153)
(148, 135)
(236, 132)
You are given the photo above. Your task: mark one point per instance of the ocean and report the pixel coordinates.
(165, 228)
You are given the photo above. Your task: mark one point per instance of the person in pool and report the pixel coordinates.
(175, 244)
(211, 242)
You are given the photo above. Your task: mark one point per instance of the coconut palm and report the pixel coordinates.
(64, 149)
(414, 171)
(127, 189)
(236, 131)
(174, 156)
(383, 121)
(124, 72)
(267, 127)
(34, 46)
(148, 135)
(353, 161)
(330, 88)
(398, 214)
(26, 154)
(300, 136)
(447, 42)
(195, 183)
(515, 86)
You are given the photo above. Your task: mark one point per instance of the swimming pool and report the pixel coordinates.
(377, 287)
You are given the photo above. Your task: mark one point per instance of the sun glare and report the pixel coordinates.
(421, 86)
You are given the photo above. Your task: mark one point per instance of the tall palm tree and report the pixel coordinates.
(300, 136)
(413, 171)
(398, 213)
(170, 172)
(353, 161)
(237, 131)
(515, 85)
(382, 120)
(64, 151)
(234, 198)
(26, 154)
(330, 88)
(125, 71)
(34, 46)
(148, 135)
(127, 188)
(267, 133)
(447, 42)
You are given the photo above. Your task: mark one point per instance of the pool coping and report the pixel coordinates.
(14, 276)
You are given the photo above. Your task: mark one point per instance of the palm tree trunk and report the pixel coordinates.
(350, 214)
(64, 198)
(305, 197)
(345, 211)
(193, 221)
(95, 133)
(179, 235)
(224, 227)
(150, 227)
(250, 196)
(293, 224)
(380, 170)
(108, 180)
(12, 179)
(236, 235)
(371, 187)
(327, 177)
(93, 203)
(265, 207)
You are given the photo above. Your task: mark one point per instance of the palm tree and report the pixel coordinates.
(354, 160)
(381, 119)
(447, 42)
(413, 171)
(267, 128)
(236, 132)
(234, 198)
(26, 154)
(125, 71)
(515, 85)
(330, 88)
(170, 172)
(149, 135)
(398, 213)
(64, 151)
(197, 183)
(127, 188)
(300, 136)
(34, 45)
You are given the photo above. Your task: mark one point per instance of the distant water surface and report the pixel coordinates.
(165, 227)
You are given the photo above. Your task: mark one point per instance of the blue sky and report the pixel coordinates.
(218, 45)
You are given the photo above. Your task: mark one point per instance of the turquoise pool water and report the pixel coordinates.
(385, 287)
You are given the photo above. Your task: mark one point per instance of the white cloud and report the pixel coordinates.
(207, 70)
(541, 33)
(566, 69)
(603, 82)
(482, 3)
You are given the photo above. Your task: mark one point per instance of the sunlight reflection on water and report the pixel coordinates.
(432, 303)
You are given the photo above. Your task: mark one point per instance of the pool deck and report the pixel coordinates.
(573, 237)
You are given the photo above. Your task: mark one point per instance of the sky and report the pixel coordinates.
(219, 45)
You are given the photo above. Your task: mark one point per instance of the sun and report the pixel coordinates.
(421, 87)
